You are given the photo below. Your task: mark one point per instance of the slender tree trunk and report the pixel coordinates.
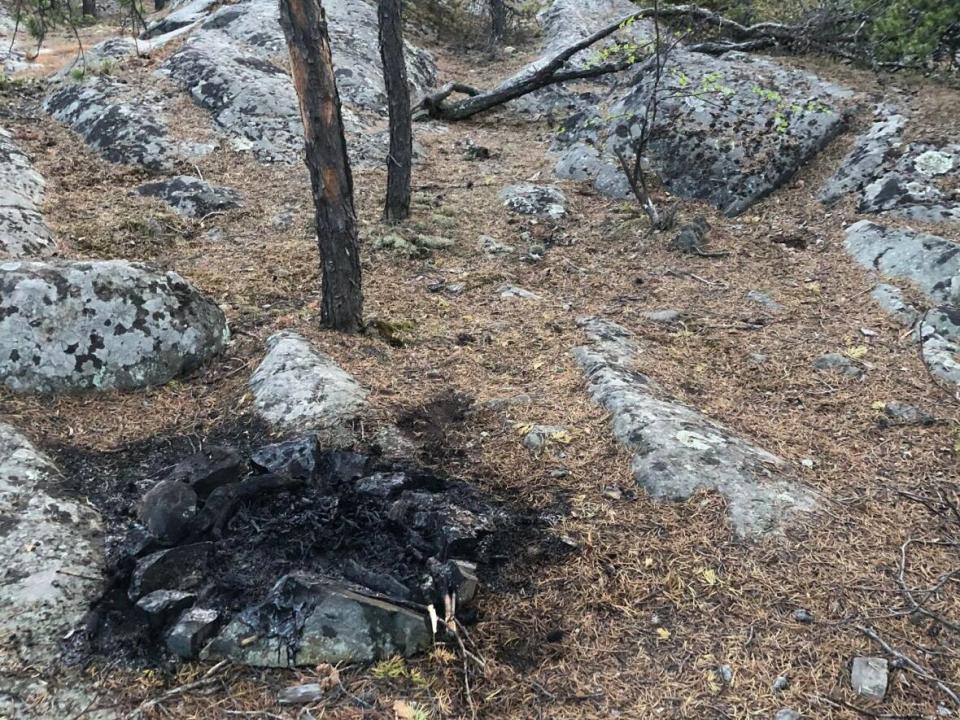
(311, 63)
(89, 7)
(400, 159)
(498, 21)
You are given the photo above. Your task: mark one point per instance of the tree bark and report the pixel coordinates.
(400, 159)
(89, 7)
(305, 27)
(498, 21)
(159, 4)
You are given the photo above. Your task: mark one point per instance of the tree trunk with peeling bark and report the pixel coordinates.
(311, 63)
(400, 159)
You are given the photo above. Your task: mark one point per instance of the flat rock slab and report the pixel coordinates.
(51, 549)
(300, 389)
(192, 196)
(306, 622)
(543, 201)
(76, 326)
(912, 180)
(124, 129)
(679, 451)
(23, 233)
(931, 262)
(729, 130)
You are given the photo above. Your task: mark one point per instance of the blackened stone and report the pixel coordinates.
(435, 517)
(382, 484)
(178, 568)
(342, 466)
(191, 196)
(906, 414)
(306, 621)
(161, 605)
(209, 469)
(167, 511)
(378, 582)
(295, 458)
(192, 630)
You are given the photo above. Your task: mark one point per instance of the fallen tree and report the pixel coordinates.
(823, 32)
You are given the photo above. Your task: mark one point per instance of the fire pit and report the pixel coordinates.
(291, 555)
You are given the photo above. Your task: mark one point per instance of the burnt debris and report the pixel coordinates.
(290, 555)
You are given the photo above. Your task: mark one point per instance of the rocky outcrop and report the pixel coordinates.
(913, 180)
(234, 65)
(729, 129)
(73, 326)
(306, 621)
(542, 201)
(51, 547)
(932, 263)
(192, 196)
(299, 389)
(124, 129)
(677, 450)
(23, 233)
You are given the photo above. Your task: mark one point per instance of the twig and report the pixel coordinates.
(208, 678)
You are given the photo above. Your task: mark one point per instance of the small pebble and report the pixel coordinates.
(802, 615)
(726, 674)
(781, 683)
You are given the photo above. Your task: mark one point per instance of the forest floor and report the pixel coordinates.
(653, 598)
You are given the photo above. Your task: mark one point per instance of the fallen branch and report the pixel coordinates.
(209, 678)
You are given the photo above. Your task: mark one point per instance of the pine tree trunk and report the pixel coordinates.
(89, 7)
(305, 27)
(400, 159)
(498, 21)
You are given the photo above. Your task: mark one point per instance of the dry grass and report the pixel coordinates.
(573, 638)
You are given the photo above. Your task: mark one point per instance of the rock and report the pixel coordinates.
(664, 317)
(677, 450)
(507, 292)
(906, 414)
(65, 694)
(691, 239)
(167, 511)
(491, 246)
(868, 677)
(469, 584)
(839, 363)
(726, 674)
(803, 616)
(761, 298)
(891, 299)
(787, 714)
(757, 359)
(930, 262)
(161, 605)
(99, 325)
(451, 527)
(306, 621)
(234, 66)
(781, 683)
(51, 550)
(23, 232)
(178, 568)
(297, 458)
(744, 129)
(382, 484)
(939, 333)
(191, 632)
(183, 16)
(390, 442)
(912, 180)
(866, 158)
(537, 437)
(300, 694)
(191, 196)
(300, 389)
(542, 201)
(342, 466)
(433, 242)
(122, 128)
(208, 469)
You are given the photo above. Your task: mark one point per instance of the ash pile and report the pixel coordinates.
(292, 556)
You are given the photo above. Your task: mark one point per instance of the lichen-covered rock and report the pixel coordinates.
(184, 16)
(123, 128)
(306, 621)
(234, 65)
(192, 196)
(23, 233)
(51, 550)
(74, 326)
(299, 389)
(677, 450)
(729, 130)
(542, 201)
(890, 298)
(929, 261)
(939, 334)
(913, 180)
